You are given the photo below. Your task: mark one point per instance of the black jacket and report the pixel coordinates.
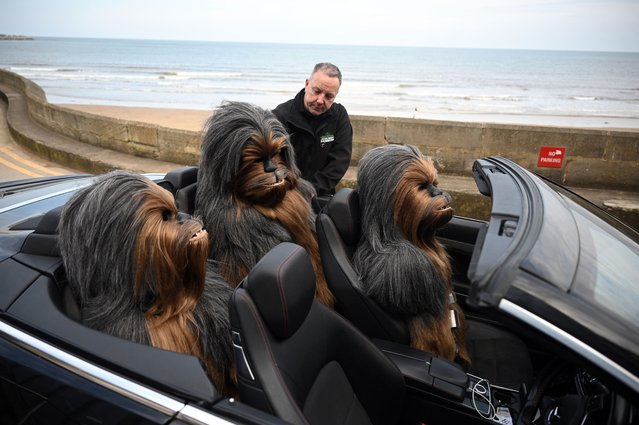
(323, 144)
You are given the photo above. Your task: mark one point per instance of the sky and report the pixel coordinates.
(595, 25)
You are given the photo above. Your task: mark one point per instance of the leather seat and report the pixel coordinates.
(338, 233)
(300, 361)
(496, 354)
(182, 182)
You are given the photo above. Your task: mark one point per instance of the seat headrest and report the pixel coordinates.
(282, 285)
(343, 209)
(181, 177)
(185, 198)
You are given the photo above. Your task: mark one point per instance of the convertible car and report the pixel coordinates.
(547, 266)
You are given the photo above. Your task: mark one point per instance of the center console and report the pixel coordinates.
(440, 391)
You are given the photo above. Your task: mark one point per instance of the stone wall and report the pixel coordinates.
(595, 158)
(136, 138)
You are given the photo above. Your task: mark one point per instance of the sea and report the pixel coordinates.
(567, 88)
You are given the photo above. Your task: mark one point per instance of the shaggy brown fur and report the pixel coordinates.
(400, 262)
(173, 256)
(250, 194)
(430, 213)
(276, 197)
(139, 272)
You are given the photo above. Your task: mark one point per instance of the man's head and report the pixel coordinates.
(321, 88)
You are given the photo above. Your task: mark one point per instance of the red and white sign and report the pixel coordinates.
(551, 157)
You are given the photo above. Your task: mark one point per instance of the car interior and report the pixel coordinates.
(311, 365)
(302, 363)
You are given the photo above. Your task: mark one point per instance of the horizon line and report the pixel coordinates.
(319, 44)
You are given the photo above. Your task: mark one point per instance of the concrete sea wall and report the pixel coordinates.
(594, 158)
(131, 137)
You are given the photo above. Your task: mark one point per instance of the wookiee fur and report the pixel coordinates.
(139, 272)
(250, 193)
(401, 264)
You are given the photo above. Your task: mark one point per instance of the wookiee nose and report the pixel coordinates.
(269, 167)
(434, 191)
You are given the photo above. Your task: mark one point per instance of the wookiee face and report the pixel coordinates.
(170, 253)
(420, 206)
(263, 177)
(127, 252)
(122, 238)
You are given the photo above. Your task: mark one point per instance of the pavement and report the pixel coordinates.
(75, 155)
(65, 150)
(17, 163)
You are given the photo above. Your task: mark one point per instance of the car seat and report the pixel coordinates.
(182, 182)
(301, 361)
(496, 354)
(338, 232)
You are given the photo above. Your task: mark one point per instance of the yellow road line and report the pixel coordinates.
(18, 168)
(28, 163)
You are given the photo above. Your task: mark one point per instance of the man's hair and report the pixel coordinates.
(328, 69)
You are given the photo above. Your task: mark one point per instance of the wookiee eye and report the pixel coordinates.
(166, 215)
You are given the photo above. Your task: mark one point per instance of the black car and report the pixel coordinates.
(547, 265)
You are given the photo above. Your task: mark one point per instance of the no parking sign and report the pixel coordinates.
(551, 157)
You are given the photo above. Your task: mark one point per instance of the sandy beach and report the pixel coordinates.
(183, 119)
(194, 119)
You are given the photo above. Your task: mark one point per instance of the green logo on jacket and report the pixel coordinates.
(326, 138)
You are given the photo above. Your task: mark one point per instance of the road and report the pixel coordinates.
(17, 163)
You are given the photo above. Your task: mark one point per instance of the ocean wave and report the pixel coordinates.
(55, 76)
(25, 69)
(394, 94)
(457, 97)
(488, 98)
(21, 70)
(585, 98)
(125, 72)
(208, 88)
(209, 74)
(173, 77)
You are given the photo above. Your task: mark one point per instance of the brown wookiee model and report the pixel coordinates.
(138, 271)
(401, 264)
(250, 194)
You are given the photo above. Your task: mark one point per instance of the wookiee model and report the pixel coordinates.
(138, 271)
(250, 194)
(401, 264)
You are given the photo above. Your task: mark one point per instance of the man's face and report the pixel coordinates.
(320, 92)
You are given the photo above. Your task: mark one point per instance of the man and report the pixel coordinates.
(320, 130)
